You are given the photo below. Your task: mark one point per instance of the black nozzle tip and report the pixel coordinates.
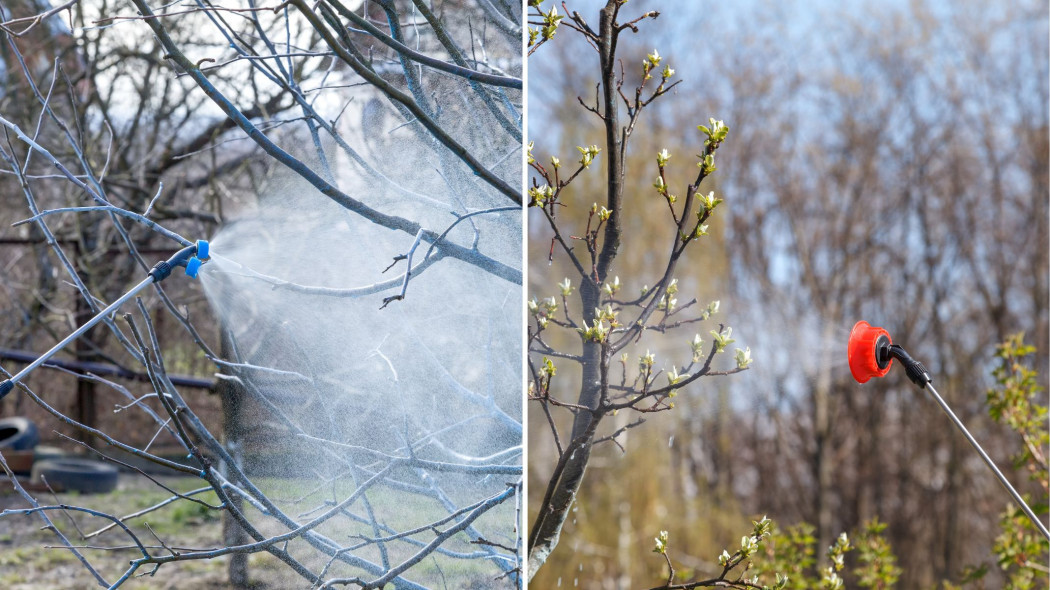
(5, 387)
(882, 352)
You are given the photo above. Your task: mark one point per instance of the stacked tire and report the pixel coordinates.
(18, 434)
(72, 474)
(18, 439)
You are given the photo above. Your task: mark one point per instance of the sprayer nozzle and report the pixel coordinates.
(193, 266)
(191, 257)
(871, 353)
(868, 352)
(5, 387)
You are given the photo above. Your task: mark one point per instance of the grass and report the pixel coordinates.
(25, 563)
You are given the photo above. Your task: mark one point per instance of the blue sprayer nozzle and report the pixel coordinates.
(193, 266)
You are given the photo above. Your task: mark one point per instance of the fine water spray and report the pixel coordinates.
(871, 353)
(191, 257)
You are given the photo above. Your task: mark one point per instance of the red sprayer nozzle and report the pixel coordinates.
(867, 352)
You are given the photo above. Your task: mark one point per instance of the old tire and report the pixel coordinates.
(48, 452)
(80, 475)
(20, 462)
(18, 434)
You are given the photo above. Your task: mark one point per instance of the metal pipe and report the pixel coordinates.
(8, 385)
(103, 369)
(991, 464)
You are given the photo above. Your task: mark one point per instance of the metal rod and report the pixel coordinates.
(103, 369)
(991, 464)
(77, 333)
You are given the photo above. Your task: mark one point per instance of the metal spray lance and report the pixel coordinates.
(191, 257)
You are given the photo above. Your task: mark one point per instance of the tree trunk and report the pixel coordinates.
(233, 430)
(823, 456)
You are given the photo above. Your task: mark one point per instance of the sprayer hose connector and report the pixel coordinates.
(161, 270)
(914, 369)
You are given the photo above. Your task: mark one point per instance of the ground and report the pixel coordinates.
(27, 561)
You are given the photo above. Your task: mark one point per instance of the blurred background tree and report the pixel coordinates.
(887, 162)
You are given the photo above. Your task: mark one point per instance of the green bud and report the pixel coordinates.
(708, 202)
(712, 309)
(722, 339)
(661, 543)
(646, 362)
(698, 348)
(743, 358)
(662, 157)
(660, 185)
(724, 558)
(566, 287)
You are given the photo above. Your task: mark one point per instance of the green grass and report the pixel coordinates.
(17, 557)
(12, 578)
